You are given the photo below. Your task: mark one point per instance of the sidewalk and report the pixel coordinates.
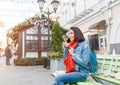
(24, 75)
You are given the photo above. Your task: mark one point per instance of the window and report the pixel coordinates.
(32, 39)
(35, 40)
(44, 42)
(80, 6)
(31, 43)
(89, 3)
(32, 30)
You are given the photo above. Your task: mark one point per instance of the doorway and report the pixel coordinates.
(94, 42)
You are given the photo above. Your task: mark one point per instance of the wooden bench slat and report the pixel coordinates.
(89, 82)
(109, 79)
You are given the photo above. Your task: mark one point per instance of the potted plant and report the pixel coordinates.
(56, 49)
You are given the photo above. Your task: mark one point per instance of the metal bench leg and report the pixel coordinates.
(97, 80)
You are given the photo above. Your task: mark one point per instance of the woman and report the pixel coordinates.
(81, 71)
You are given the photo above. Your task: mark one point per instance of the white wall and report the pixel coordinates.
(35, 54)
(115, 31)
(43, 54)
(32, 54)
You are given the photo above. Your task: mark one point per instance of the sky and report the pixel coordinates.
(13, 12)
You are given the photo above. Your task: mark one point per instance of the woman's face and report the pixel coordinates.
(71, 35)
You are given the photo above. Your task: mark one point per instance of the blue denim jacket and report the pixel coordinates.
(81, 59)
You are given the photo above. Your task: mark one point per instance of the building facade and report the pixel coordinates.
(98, 20)
(33, 42)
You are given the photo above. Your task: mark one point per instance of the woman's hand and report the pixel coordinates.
(66, 44)
(71, 51)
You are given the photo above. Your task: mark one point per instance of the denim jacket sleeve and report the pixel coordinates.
(81, 55)
(65, 52)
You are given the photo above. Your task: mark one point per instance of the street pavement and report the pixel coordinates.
(24, 75)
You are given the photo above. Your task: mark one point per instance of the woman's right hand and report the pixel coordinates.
(66, 44)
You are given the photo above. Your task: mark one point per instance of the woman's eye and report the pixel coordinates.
(71, 33)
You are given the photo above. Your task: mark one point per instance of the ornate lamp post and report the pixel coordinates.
(55, 6)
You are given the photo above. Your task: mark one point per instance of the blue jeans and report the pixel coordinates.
(72, 77)
(7, 60)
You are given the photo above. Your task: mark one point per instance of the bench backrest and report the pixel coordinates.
(109, 65)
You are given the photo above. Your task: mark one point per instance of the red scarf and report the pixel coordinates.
(68, 61)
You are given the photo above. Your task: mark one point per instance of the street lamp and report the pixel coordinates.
(55, 6)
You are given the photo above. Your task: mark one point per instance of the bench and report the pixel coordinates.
(108, 68)
(87, 82)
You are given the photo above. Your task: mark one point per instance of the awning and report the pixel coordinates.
(98, 25)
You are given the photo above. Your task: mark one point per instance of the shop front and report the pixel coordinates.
(97, 36)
